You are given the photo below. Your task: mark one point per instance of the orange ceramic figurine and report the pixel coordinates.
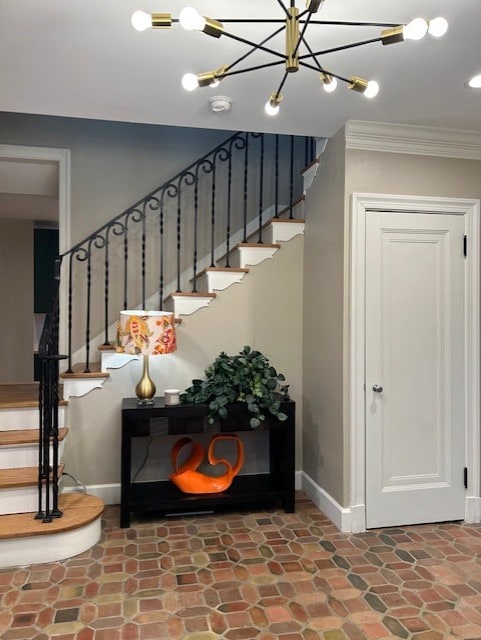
(189, 480)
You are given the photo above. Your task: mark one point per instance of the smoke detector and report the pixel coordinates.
(220, 104)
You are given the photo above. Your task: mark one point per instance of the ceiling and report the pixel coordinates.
(83, 59)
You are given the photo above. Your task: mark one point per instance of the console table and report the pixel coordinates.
(276, 486)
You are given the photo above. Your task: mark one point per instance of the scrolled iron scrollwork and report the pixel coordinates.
(118, 228)
(81, 254)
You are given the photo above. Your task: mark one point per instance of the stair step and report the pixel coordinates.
(20, 396)
(22, 477)
(219, 278)
(24, 540)
(21, 437)
(19, 448)
(188, 303)
(78, 371)
(78, 383)
(78, 509)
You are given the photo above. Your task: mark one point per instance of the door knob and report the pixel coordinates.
(377, 388)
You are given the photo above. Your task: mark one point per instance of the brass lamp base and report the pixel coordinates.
(145, 389)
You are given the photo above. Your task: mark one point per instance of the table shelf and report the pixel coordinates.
(272, 488)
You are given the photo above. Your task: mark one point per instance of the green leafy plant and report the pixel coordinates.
(246, 377)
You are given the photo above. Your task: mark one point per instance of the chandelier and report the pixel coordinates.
(297, 52)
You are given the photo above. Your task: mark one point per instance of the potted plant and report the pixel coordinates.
(247, 377)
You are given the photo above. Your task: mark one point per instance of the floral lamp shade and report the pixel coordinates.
(147, 333)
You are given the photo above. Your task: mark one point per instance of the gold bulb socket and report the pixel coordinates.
(275, 99)
(206, 79)
(161, 20)
(357, 84)
(219, 73)
(395, 34)
(326, 78)
(213, 27)
(292, 38)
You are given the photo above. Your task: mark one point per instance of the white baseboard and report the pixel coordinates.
(342, 517)
(109, 493)
(472, 509)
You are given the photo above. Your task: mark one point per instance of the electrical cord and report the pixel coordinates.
(77, 482)
(147, 451)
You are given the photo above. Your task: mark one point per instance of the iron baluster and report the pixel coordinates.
(70, 312)
(106, 289)
(291, 180)
(126, 263)
(246, 182)
(212, 216)
(276, 180)
(143, 255)
(229, 202)
(87, 320)
(196, 216)
(161, 251)
(261, 189)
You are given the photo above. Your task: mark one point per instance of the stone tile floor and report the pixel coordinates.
(265, 575)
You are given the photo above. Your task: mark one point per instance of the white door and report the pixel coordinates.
(415, 386)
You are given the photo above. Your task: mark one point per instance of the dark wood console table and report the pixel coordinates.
(276, 486)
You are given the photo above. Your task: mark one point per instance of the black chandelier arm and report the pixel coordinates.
(283, 7)
(301, 36)
(252, 50)
(340, 48)
(319, 68)
(253, 44)
(346, 23)
(252, 20)
(256, 68)
(278, 92)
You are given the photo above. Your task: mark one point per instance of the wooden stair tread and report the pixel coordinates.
(25, 436)
(78, 371)
(221, 270)
(192, 295)
(21, 477)
(14, 396)
(263, 245)
(78, 510)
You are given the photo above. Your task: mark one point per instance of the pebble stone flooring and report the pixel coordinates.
(265, 575)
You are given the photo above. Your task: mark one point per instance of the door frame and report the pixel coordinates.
(62, 157)
(361, 205)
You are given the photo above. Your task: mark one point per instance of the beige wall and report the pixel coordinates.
(378, 172)
(16, 295)
(113, 164)
(327, 268)
(323, 441)
(264, 311)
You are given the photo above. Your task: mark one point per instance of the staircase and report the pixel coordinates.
(24, 539)
(216, 266)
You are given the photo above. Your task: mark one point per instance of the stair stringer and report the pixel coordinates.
(264, 311)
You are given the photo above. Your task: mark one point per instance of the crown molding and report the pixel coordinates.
(416, 140)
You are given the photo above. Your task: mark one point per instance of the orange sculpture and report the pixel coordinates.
(189, 480)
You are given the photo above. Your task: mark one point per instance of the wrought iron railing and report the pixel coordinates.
(160, 245)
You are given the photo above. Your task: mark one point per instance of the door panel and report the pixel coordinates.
(415, 351)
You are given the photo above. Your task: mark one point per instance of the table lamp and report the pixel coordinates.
(147, 333)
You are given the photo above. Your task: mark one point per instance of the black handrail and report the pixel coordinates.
(168, 236)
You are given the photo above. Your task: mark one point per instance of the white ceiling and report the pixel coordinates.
(84, 59)
(28, 189)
